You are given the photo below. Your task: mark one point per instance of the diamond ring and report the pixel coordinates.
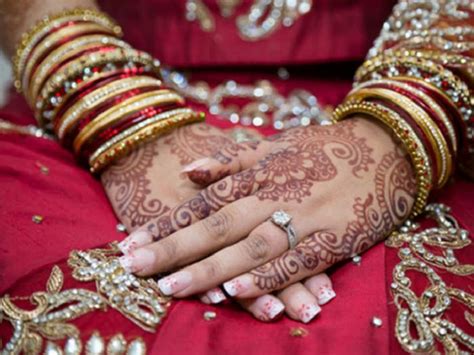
(283, 220)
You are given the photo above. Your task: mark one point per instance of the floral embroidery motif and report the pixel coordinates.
(427, 310)
(137, 299)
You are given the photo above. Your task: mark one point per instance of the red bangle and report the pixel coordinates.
(122, 125)
(87, 83)
(74, 130)
(62, 64)
(53, 30)
(459, 124)
(421, 103)
(416, 128)
(60, 43)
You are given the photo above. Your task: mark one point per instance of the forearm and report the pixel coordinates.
(418, 81)
(17, 16)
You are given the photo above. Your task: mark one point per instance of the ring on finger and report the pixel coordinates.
(283, 220)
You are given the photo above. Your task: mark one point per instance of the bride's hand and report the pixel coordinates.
(346, 186)
(142, 186)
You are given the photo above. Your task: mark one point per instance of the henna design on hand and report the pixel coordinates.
(289, 174)
(127, 186)
(203, 204)
(375, 217)
(193, 142)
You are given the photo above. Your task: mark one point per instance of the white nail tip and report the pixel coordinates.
(215, 296)
(231, 287)
(134, 241)
(126, 263)
(275, 309)
(325, 295)
(166, 286)
(309, 312)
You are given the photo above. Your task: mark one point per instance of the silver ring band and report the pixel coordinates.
(283, 220)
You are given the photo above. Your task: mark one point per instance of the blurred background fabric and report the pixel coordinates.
(5, 78)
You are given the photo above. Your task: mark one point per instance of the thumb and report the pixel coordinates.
(229, 160)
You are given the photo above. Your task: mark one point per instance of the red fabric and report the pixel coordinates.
(77, 215)
(334, 30)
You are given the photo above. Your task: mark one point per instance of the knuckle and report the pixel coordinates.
(170, 248)
(211, 269)
(219, 225)
(258, 247)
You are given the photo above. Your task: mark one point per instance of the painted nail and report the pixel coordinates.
(325, 294)
(236, 286)
(216, 295)
(270, 307)
(308, 312)
(137, 260)
(134, 241)
(195, 164)
(175, 283)
(205, 299)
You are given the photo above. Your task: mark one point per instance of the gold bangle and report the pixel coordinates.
(52, 40)
(404, 133)
(37, 32)
(412, 65)
(143, 135)
(63, 53)
(426, 98)
(129, 106)
(432, 132)
(77, 67)
(443, 58)
(99, 96)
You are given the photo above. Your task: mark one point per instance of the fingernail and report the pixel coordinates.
(134, 241)
(195, 164)
(236, 286)
(205, 299)
(175, 283)
(308, 312)
(270, 307)
(137, 260)
(216, 295)
(325, 294)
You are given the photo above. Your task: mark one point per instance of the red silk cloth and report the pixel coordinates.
(334, 30)
(77, 214)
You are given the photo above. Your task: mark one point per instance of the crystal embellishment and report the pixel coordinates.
(281, 218)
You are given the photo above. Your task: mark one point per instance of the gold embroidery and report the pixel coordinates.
(262, 19)
(426, 311)
(137, 299)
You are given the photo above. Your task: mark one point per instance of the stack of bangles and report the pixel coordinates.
(425, 104)
(101, 97)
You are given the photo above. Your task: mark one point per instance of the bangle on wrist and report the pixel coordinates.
(405, 133)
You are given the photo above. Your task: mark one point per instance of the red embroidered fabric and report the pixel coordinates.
(77, 214)
(326, 34)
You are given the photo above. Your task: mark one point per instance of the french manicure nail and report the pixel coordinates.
(175, 283)
(216, 295)
(270, 307)
(235, 286)
(325, 294)
(134, 241)
(195, 164)
(137, 260)
(205, 299)
(308, 312)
